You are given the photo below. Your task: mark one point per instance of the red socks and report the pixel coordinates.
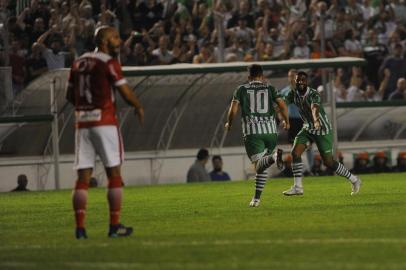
(114, 196)
(79, 201)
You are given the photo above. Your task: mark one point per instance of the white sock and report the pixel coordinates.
(297, 169)
(353, 178)
(298, 181)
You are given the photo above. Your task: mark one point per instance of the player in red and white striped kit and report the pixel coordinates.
(93, 81)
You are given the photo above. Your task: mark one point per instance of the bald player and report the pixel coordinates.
(94, 79)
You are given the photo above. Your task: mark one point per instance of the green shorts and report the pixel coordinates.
(324, 142)
(259, 145)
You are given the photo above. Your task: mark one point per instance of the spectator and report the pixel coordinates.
(199, 13)
(279, 44)
(352, 45)
(217, 174)
(36, 64)
(374, 54)
(301, 50)
(17, 63)
(400, 91)
(361, 164)
(242, 33)
(339, 86)
(357, 82)
(368, 11)
(163, 54)
(148, 13)
(397, 66)
(205, 55)
(197, 172)
(22, 182)
(136, 49)
(329, 23)
(370, 93)
(401, 163)
(53, 55)
(380, 163)
(244, 11)
(236, 50)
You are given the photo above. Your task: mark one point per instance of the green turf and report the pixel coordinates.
(210, 226)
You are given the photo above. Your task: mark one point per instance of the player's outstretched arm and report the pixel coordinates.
(316, 115)
(132, 100)
(283, 111)
(232, 112)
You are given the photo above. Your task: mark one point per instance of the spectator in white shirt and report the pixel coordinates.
(352, 45)
(301, 50)
(52, 54)
(164, 56)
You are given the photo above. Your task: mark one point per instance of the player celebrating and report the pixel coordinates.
(316, 128)
(258, 124)
(93, 79)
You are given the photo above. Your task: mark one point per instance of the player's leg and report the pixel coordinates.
(299, 146)
(270, 157)
(84, 162)
(255, 148)
(115, 198)
(79, 201)
(110, 149)
(325, 146)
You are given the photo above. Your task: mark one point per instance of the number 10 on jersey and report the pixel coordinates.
(258, 101)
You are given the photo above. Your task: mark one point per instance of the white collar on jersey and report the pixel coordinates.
(97, 54)
(305, 94)
(256, 82)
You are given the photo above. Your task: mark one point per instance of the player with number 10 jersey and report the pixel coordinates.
(259, 129)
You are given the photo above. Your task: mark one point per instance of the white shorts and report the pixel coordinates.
(105, 141)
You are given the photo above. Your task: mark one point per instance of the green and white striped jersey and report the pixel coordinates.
(257, 113)
(304, 104)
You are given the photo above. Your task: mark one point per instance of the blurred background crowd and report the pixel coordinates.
(42, 35)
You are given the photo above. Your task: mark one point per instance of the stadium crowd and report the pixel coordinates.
(49, 34)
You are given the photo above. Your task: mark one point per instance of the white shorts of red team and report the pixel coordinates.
(104, 141)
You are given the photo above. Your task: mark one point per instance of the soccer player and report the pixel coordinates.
(256, 99)
(316, 128)
(93, 81)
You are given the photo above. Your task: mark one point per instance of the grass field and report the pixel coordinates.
(210, 226)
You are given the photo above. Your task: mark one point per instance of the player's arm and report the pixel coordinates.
(232, 112)
(283, 112)
(132, 100)
(316, 115)
(115, 73)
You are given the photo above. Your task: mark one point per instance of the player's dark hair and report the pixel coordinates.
(255, 70)
(216, 157)
(202, 154)
(301, 73)
(100, 33)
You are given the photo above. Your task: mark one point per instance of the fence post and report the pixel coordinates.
(55, 133)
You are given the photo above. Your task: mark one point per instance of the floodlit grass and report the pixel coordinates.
(210, 226)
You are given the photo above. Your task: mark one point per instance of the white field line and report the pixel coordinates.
(304, 241)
